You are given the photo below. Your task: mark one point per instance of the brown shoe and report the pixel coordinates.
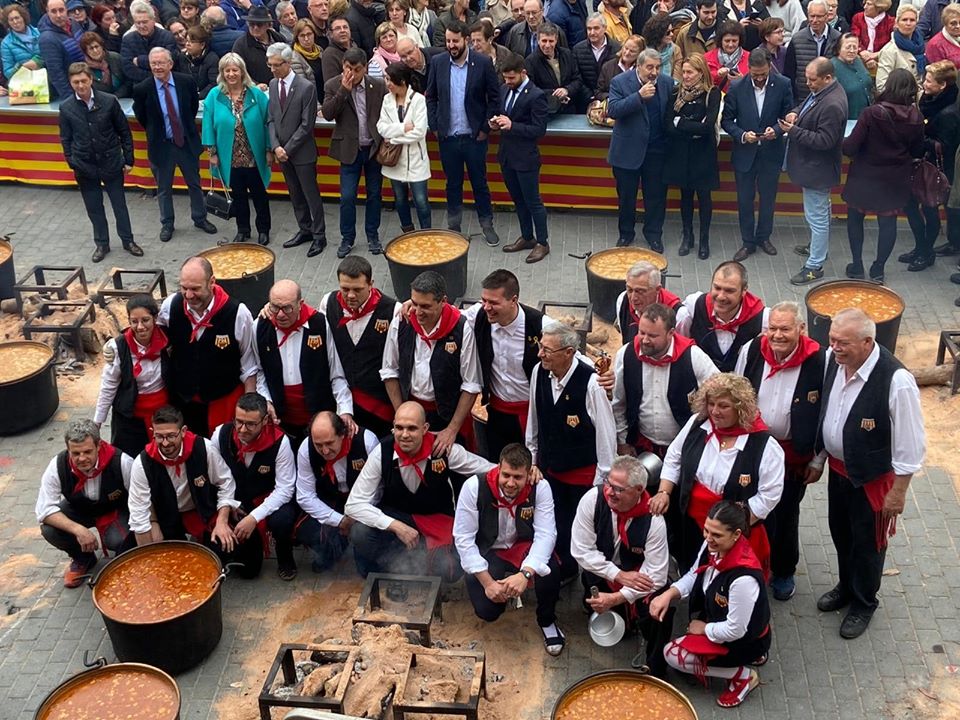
(743, 253)
(538, 253)
(519, 244)
(768, 247)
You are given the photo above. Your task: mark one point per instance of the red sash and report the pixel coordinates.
(876, 491)
(105, 453)
(295, 406)
(194, 524)
(262, 526)
(703, 498)
(222, 409)
(517, 409)
(374, 406)
(792, 459)
(437, 529)
(147, 404)
(645, 444)
(577, 476)
(515, 553)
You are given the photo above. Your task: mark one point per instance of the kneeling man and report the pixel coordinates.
(504, 531)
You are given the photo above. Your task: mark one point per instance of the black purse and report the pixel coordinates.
(217, 204)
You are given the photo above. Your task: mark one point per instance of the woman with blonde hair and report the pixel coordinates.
(724, 452)
(873, 28)
(625, 60)
(234, 132)
(691, 129)
(385, 53)
(945, 45)
(905, 49)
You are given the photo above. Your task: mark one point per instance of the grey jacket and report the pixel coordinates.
(814, 143)
(291, 127)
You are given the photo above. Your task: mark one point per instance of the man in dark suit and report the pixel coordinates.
(522, 120)
(293, 113)
(166, 104)
(353, 100)
(750, 113)
(564, 91)
(638, 147)
(462, 93)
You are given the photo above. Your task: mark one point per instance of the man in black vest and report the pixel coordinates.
(785, 367)
(507, 335)
(643, 287)
(431, 358)
(622, 549)
(359, 316)
(328, 463)
(298, 367)
(726, 318)
(570, 429)
(871, 429)
(403, 501)
(212, 362)
(85, 486)
(261, 461)
(505, 533)
(655, 375)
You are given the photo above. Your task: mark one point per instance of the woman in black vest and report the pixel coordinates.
(729, 626)
(132, 384)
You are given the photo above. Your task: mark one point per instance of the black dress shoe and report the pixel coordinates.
(946, 250)
(208, 227)
(855, 272)
(854, 625)
(316, 247)
(743, 253)
(656, 245)
(263, 238)
(299, 239)
(832, 600)
(624, 242)
(704, 252)
(907, 257)
(100, 253)
(921, 262)
(768, 247)
(241, 237)
(166, 232)
(134, 249)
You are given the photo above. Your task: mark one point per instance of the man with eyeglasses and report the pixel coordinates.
(643, 288)
(815, 40)
(298, 367)
(522, 38)
(570, 429)
(622, 549)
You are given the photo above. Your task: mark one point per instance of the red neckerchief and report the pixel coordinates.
(105, 453)
(449, 317)
(740, 555)
(664, 297)
(426, 448)
(220, 298)
(758, 426)
(267, 437)
(368, 307)
(639, 510)
(750, 305)
(499, 501)
(158, 341)
(680, 345)
(154, 452)
(306, 312)
(328, 467)
(807, 347)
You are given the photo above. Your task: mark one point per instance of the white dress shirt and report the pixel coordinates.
(716, 464)
(355, 328)
(725, 338)
(656, 419)
(682, 312)
(744, 593)
(421, 382)
(368, 489)
(598, 410)
(218, 473)
(290, 360)
(775, 397)
(583, 548)
(285, 473)
(466, 525)
(508, 381)
(908, 438)
(242, 333)
(149, 380)
(48, 500)
(307, 497)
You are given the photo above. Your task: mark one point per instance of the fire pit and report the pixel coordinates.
(442, 682)
(36, 281)
(410, 601)
(333, 670)
(43, 322)
(113, 285)
(579, 316)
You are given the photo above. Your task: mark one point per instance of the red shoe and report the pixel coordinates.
(73, 576)
(738, 689)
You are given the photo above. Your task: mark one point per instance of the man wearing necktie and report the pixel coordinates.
(522, 122)
(166, 105)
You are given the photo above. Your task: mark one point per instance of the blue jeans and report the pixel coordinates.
(524, 189)
(455, 152)
(349, 182)
(816, 211)
(420, 200)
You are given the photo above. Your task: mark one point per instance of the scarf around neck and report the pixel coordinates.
(740, 555)
(730, 61)
(913, 45)
(426, 448)
(639, 510)
(806, 347)
(449, 317)
(680, 345)
(153, 451)
(950, 38)
(308, 54)
(158, 341)
(685, 95)
(306, 312)
(368, 307)
(750, 305)
(493, 482)
(872, 24)
(758, 425)
(105, 453)
(220, 299)
(267, 437)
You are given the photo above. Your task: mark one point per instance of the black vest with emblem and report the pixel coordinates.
(127, 390)
(329, 492)
(744, 478)
(681, 383)
(532, 327)
(489, 516)
(807, 393)
(362, 362)
(566, 436)
(444, 367)
(209, 367)
(255, 481)
(434, 495)
(867, 432)
(628, 325)
(314, 366)
(113, 493)
(163, 496)
(630, 557)
(701, 331)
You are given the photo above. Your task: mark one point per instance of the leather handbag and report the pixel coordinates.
(388, 155)
(217, 204)
(929, 184)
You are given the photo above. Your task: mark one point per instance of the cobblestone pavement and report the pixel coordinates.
(812, 673)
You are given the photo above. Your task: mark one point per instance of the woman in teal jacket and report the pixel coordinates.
(239, 151)
(21, 46)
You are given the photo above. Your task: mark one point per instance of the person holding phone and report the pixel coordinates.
(728, 60)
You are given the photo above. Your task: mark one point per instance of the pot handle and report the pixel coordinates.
(225, 572)
(98, 662)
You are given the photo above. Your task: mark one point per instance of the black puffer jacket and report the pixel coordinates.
(588, 64)
(96, 143)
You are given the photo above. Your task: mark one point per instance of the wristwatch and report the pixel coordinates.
(527, 574)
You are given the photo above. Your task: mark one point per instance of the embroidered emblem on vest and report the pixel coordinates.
(745, 480)
(357, 465)
(720, 600)
(381, 326)
(526, 513)
(450, 347)
(314, 341)
(200, 481)
(221, 342)
(813, 396)
(868, 424)
(115, 495)
(263, 469)
(573, 420)
(438, 465)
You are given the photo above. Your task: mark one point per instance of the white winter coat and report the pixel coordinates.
(414, 164)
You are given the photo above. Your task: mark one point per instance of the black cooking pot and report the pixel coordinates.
(818, 324)
(454, 271)
(176, 644)
(34, 396)
(604, 290)
(589, 685)
(252, 288)
(8, 276)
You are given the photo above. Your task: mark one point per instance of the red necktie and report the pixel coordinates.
(283, 94)
(175, 127)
